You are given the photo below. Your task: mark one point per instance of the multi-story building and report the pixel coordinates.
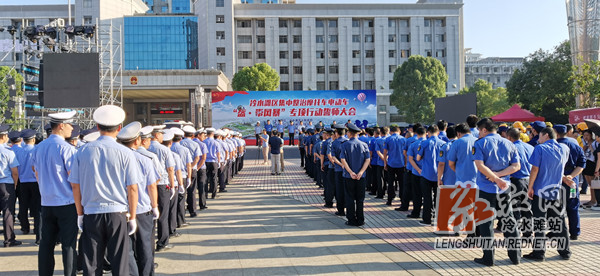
(332, 46)
(495, 70)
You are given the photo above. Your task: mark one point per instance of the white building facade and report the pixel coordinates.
(495, 70)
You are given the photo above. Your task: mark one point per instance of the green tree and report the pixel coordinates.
(260, 77)
(586, 78)
(7, 73)
(543, 85)
(417, 82)
(490, 101)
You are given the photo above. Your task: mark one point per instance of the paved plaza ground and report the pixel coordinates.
(276, 225)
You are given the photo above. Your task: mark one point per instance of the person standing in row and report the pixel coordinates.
(187, 160)
(394, 163)
(355, 159)
(275, 148)
(459, 157)
(328, 181)
(428, 153)
(520, 179)
(333, 152)
(29, 199)
(9, 169)
(446, 176)
(291, 132)
(196, 152)
(301, 148)
(202, 176)
(415, 164)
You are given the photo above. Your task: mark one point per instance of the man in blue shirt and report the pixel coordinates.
(196, 152)
(459, 157)
(375, 173)
(291, 131)
(280, 128)
(105, 178)
(8, 182)
(382, 175)
(327, 174)
(257, 132)
(334, 152)
(52, 163)
(188, 161)
(308, 142)
(301, 148)
(520, 179)
(202, 177)
(428, 153)
(406, 192)
(442, 126)
(316, 151)
(415, 167)
(269, 127)
(213, 157)
(536, 127)
(472, 124)
(548, 162)
(394, 163)
(446, 176)
(575, 165)
(496, 158)
(354, 156)
(275, 148)
(29, 198)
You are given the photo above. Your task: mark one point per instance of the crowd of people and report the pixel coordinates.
(520, 171)
(126, 189)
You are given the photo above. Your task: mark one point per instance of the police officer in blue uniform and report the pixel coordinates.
(376, 181)
(302, 148)
(334, 151)
(394, 163)
(520, 179)
(472, 124)
(575, 165)
(179, 183)
(326, 172)
(213, 157)
(536, 127)
(382, 174)
(52, 163)
(406, 192)
(141, 255)
(280, 128)
(316, 151)
(188, 162)
(105, 178)
(446, 176)
(428, 153)
(291, 132)
(309, 142)
(202, 180)
(355, 159)
(548, 162)
(443, 126)
(29, 198)
(415, 166)
(196, 152)
(459, 157)
(496, 159)
(269, 127)
(9, 176)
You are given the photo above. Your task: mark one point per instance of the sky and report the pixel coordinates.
(494, 28)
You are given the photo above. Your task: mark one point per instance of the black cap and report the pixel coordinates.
(328, 130)
(14, 135)
(28, 134)
(339, 126)
(4, 129)
(75, 132)
(353, 128)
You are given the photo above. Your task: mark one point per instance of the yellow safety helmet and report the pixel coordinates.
(582, 126)
(518, 125)
(524, 137)
(548, 124)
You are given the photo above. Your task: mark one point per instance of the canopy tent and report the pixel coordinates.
(516, 113)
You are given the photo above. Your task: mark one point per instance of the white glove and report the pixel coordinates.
(189, 183)
(80, 223)
(132, 226)
(172, 193)
(155, 213)
(181, 189)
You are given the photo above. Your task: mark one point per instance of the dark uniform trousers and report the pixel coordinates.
(370, 177)
(572, 207)
(222, 176)
(309, 164)
(519, 200)
(8, 198)
(173, 206)
(429, 192)
(141, 255)
(545, 209)
(355, 197)
(291, 139)
(191, 194)
(340, 192)
(202, 188)
(417, 197)
(59, 224)
(241, 165)
(379, 181)
(30, 200)
(258, 140)
(486, 229)
(162, 227)
(212, 169)
(406, 190)
(302, 156)
(181, 199)
(329, 185)
(105, 234)
(395, 175)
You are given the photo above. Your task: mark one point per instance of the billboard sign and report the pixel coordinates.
(240, 110)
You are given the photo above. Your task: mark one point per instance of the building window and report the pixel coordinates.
(405, 38)
(427, 23)
(220, 18)
(320, 69)
(260, 23)
(320, 39)
(283, 23)
(369, 85)
(87, 3)
(283, 39)
(442, 53)
(244, 39)
(284, 86)
(392, 38)
(220, 51)
(297, 23)
(260, 39)
(297, 54)
(320, 85)
(496, 69)
(220, 3)
(355, 23)
(355, 38)
(333, 54)
(368, 38)
(370, 69)
(333, 69)
(284, 70)
(333, 39)
(370, 23)
(427, 38)
(392, 53)
(319, 23)
(440, 23)
(440, 38)
(298, 85)
(87, 20)
(405, 53)
(297, 39)
(356, 54)
(220, 35)
(392, 23)
(370, 53)
(283, 54)
(332, 23)
(244, 24)
(334, 85)
(393, 68)
(467, 70)
(356, 85)
(356, 69)
(221, 66)
(427, 53)
(320, 54)
(497, 79)
(244, 55)
(260, 54)
(297, 69)
(404, 23)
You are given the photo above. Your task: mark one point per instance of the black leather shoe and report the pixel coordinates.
(12, 243)
(401, 209)
(164, 248)
(573, 237)
(193, 215)
(389, 203)
(372, 193)
(565, 256)
(222, 191)
(328, 205)
(380, 197)
(340, 213)
(25, 232)
(534, 257)
(483, 262)
(411, 216)
(350, 223)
